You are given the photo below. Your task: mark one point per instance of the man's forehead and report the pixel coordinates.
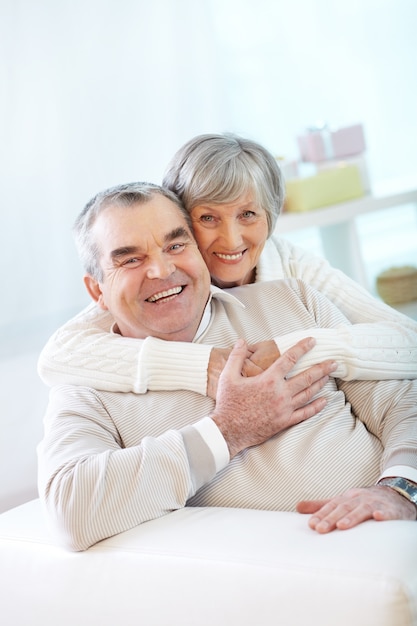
(156, 211)
(140, 223)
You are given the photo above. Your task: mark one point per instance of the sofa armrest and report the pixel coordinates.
(210, 566)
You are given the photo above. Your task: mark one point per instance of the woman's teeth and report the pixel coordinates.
(165, 294)
(229, 257)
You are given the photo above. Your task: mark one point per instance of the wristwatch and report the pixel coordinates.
(405, 487)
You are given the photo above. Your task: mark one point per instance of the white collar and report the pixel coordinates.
(220, 294)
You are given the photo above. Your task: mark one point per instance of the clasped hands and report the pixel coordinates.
(255, 400)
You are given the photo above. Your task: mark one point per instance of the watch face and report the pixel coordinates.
(404, 486)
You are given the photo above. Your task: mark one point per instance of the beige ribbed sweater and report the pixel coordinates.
(110, 461)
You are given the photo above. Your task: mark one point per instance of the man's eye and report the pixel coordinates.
(132, 261)
(207, 218)
(177, 247)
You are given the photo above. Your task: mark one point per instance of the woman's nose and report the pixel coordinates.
(231, 235)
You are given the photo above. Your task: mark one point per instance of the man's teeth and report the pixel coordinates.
(165, 294)
(229, 257)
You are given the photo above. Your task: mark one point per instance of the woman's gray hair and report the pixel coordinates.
(216, 169)
(125, 195)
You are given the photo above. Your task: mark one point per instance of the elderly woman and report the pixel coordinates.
(233, 190)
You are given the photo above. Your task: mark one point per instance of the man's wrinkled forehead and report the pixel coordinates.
(157, 217)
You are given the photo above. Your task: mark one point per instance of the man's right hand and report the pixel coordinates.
(251, 410)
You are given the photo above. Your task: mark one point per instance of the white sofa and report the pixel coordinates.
(194, 567)
(210, 567)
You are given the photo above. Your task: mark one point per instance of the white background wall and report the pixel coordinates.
(99, 92)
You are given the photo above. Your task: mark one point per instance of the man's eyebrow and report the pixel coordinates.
(176, 233)
(124, 251)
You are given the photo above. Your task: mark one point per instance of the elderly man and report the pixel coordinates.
(110, 461)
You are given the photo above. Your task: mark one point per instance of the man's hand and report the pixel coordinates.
(356, 506)
(251, 410)
(259, 357)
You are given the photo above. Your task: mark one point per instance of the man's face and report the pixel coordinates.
(155, 280)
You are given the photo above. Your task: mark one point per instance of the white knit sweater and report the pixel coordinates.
(381, 344)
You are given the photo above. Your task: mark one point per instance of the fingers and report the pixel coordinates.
(309, 410)
(234, 363)
(313, 376)
(356, 506)
(310, 506)
(289, 359)
(251, 369)
(305, 395)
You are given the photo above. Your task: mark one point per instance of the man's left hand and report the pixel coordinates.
(356, 506)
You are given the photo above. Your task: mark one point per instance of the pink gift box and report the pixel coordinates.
(325, 143)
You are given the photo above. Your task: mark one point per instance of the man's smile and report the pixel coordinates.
(165, 295)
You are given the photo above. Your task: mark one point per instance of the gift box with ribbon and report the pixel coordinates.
(330, 185)
(360, 161)
(324, 143)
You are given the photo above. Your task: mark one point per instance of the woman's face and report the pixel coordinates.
(231, 237)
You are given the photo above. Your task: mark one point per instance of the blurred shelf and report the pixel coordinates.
(346, 211)
(337, 224)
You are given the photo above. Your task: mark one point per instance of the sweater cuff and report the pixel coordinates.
(328, 346)
(173, 365)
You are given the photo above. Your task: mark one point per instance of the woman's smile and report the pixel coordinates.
(231, 237)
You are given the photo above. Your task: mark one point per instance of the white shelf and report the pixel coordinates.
(345, 211)
(337, 224)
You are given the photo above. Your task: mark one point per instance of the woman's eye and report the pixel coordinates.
(207, 218)
(248, 214)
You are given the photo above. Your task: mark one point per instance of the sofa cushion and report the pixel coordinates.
(210, 566)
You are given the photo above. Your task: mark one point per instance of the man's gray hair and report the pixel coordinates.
(126, 195)
(216, 169)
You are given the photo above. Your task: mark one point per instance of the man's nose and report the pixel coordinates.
(160, 267)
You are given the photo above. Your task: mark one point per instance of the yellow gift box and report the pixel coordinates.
(329, 186)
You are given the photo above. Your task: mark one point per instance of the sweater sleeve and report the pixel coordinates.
(380, 343)
(94, 487)
(388, 410)
(362, 351)
(85, 352)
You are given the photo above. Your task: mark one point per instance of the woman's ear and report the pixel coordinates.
(94, 289)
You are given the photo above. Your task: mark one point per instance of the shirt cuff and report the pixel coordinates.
(215, 441)
(400, 471)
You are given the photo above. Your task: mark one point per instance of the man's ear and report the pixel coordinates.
(94, 289)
